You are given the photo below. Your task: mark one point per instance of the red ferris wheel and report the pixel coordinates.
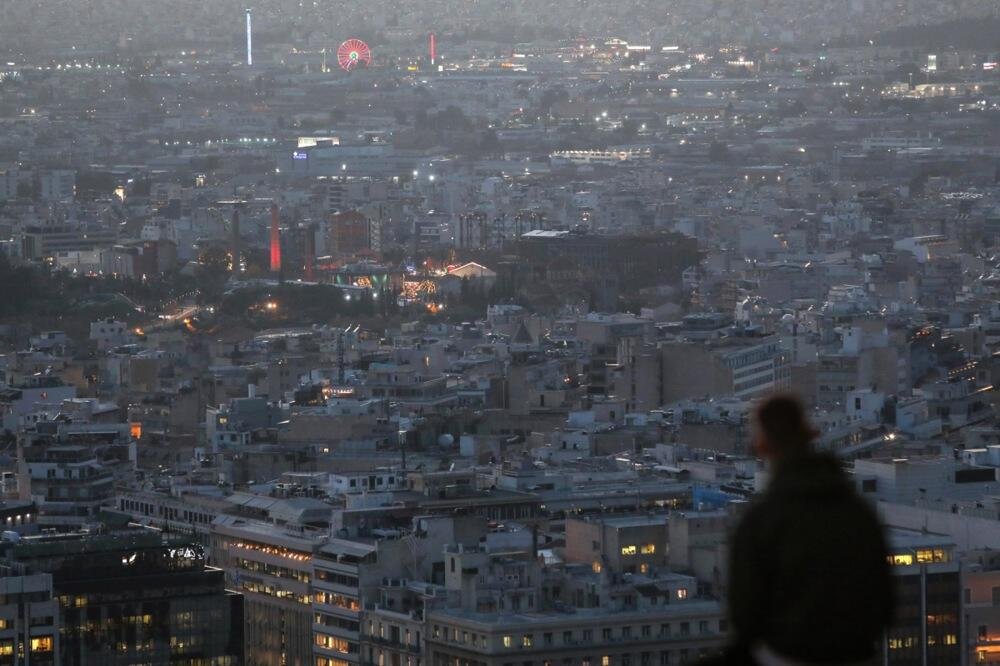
(352, 53)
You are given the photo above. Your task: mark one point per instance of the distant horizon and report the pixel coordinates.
(34, 26)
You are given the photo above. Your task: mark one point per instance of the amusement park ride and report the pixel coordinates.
(352, 53)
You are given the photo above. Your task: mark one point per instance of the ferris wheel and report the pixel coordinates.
(352, 53)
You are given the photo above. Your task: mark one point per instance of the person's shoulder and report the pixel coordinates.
(811, 465)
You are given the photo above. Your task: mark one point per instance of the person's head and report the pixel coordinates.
(782, 428)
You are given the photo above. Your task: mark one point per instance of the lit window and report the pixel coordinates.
(596, 567)
(606, 660)
(950, 639)
(41, 644)
(508, 641)
(648, 549)
(644, 568)
(334, 643)
(682, 593)
(629, 550)
(527, 640)
(6, 648)
(931, 555)
(903, 560)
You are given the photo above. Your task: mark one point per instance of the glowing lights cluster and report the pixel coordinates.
(353, 53)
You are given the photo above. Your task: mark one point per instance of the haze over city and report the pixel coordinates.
(499, 333)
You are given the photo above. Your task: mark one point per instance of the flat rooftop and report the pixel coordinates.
(491, 621)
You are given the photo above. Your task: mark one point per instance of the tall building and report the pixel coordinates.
(273, 569)
(505, 615)
(927, 627)
(626, 544)
(58, 185)
(392, 630)
(341, 574)
(742, 366)
(67, 483)
(118, 598)
(638, 260)
(28, 617)
(981, 606)
(349, 234)
(39, 242)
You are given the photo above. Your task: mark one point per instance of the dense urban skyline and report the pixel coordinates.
(432, 333)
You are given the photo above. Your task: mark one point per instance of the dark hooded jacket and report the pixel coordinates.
(809, 575)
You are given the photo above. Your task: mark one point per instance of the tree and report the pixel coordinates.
(629, 129)
(489, 144)
(718, 152)
(550, 97)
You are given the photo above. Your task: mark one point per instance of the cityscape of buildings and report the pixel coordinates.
(430, 334)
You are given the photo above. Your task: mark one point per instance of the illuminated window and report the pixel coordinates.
(596, 567)
(903, 560)
(629, 550)
(682, 593)
(508, 641)
(930, 555)
(527, 640)
(41, 644)
(606, 660)
(648, 549)
(950, 639)
(333, 643)
(6, 648)
(643, 568)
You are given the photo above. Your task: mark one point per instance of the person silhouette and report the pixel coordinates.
(809, 577)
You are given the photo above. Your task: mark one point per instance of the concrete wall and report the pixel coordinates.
(968, 532)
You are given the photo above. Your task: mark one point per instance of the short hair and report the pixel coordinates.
(782, 420)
